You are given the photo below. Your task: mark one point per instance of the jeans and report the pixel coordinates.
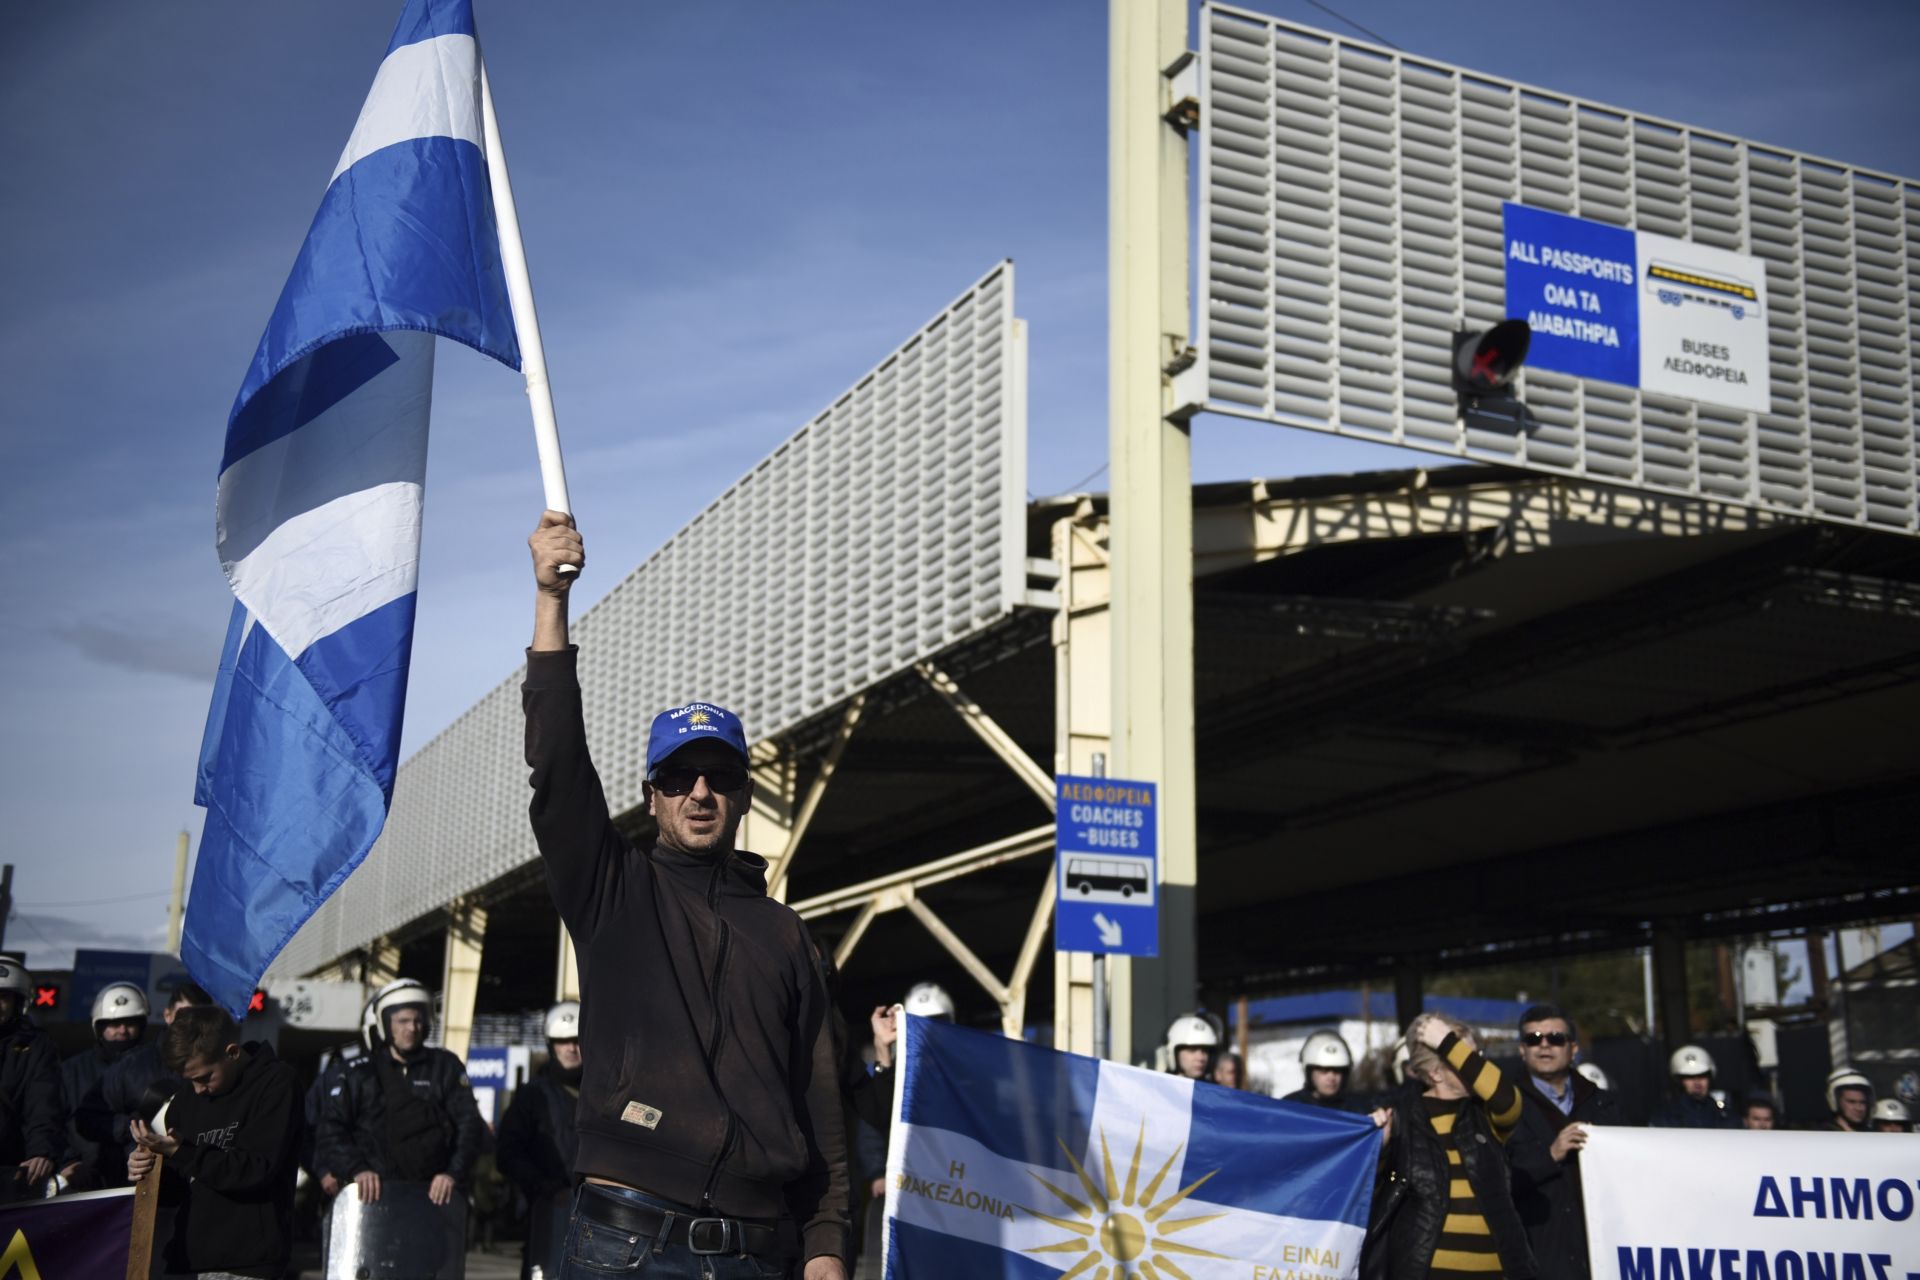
(595, 1250)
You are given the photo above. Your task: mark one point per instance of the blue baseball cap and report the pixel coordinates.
(678, 727)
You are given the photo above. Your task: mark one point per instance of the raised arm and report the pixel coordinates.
(579, 844)
(1488, 1083)
(554, 543)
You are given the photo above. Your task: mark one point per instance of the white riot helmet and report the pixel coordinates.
(1845, 1078)
(118, 1001)
(1891, 1110)
(14, 978)
(929, 1000)
(1690, 1060)
(1192, 1031)
(563, 1021)
(398, 994)
(1327, 1050)
(1592, 1071)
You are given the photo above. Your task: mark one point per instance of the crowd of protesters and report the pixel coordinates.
(1480, 1165)
(1480, 1170)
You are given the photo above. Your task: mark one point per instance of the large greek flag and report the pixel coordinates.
(1015, 1161)
(318, 523)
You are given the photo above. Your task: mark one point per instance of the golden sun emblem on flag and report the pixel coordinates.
(1123, 1230)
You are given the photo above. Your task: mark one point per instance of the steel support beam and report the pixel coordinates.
(959, 950)
(380, 963)
(984, 727)
(767, 826)
(1022, 844)
(797, 830)
(1151, 491)
(460, 974)
(856, 931)
(1014, 1011)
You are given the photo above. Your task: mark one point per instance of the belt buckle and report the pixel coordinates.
(729, 1235)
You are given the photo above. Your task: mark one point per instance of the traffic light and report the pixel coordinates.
(1482, 373)
(257, 1002)
(1485, 363)
(46, 997)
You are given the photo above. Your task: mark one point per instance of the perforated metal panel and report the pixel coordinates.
(887, 529)
(1353, 221)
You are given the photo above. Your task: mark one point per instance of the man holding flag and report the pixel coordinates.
(711, 1132)
(318, 521)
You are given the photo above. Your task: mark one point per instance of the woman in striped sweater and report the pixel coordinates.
(1454, 1217)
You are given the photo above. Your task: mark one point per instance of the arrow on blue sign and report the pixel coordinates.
(1109, 931)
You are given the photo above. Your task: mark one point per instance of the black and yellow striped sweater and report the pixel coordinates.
(1466, 1246)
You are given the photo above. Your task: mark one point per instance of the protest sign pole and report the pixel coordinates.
(146, 1199)
(526, 321)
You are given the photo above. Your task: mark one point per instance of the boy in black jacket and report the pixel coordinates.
(231, 1149)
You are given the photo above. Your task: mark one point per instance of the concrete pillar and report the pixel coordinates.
(460, 974)
(1083, 724)
(1409, 992)
(1151, 493)
(1670, 983)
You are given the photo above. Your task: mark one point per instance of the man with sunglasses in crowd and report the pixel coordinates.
(1545, 1151)
(711, 1137)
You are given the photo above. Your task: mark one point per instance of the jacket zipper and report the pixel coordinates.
(716, 1032)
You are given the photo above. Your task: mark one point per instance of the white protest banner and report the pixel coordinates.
(1679, 1204)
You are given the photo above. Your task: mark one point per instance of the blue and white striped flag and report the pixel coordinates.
(318, 524)
(1015, 1161)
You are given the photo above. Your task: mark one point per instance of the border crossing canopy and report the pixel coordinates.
(890, 527)
(1749, 330)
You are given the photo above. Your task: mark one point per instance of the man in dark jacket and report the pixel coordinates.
(31, 1117)
(711, 1132)
(1545, 1150)
(119, 1022)
(402, 1111)
(537, 1142)
(231, 1144)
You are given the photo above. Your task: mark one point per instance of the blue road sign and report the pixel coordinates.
(1106, 841)
(1573, 281)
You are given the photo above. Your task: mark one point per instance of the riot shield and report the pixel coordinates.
(401, 1236)
(547, 1221)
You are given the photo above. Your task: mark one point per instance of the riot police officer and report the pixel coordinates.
(537, 1143)
(1327, 1061)
(119, 1018)
(403, 1111)
(1693, 1105)
(31, 1117)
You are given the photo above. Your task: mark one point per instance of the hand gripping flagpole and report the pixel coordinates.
(526, 322)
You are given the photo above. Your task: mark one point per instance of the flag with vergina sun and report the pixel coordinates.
(1011, 1160)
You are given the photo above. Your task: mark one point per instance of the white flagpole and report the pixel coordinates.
(526, 322)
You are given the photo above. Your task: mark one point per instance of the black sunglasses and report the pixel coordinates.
(1554, 1038)
(679, 781)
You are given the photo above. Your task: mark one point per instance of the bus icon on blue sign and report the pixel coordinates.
(1128, 880)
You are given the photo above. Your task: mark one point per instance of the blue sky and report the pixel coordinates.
(732, 210)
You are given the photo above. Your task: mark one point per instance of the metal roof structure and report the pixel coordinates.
(888, 528)
(1352, 201)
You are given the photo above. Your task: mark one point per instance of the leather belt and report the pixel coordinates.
(700, 1234)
